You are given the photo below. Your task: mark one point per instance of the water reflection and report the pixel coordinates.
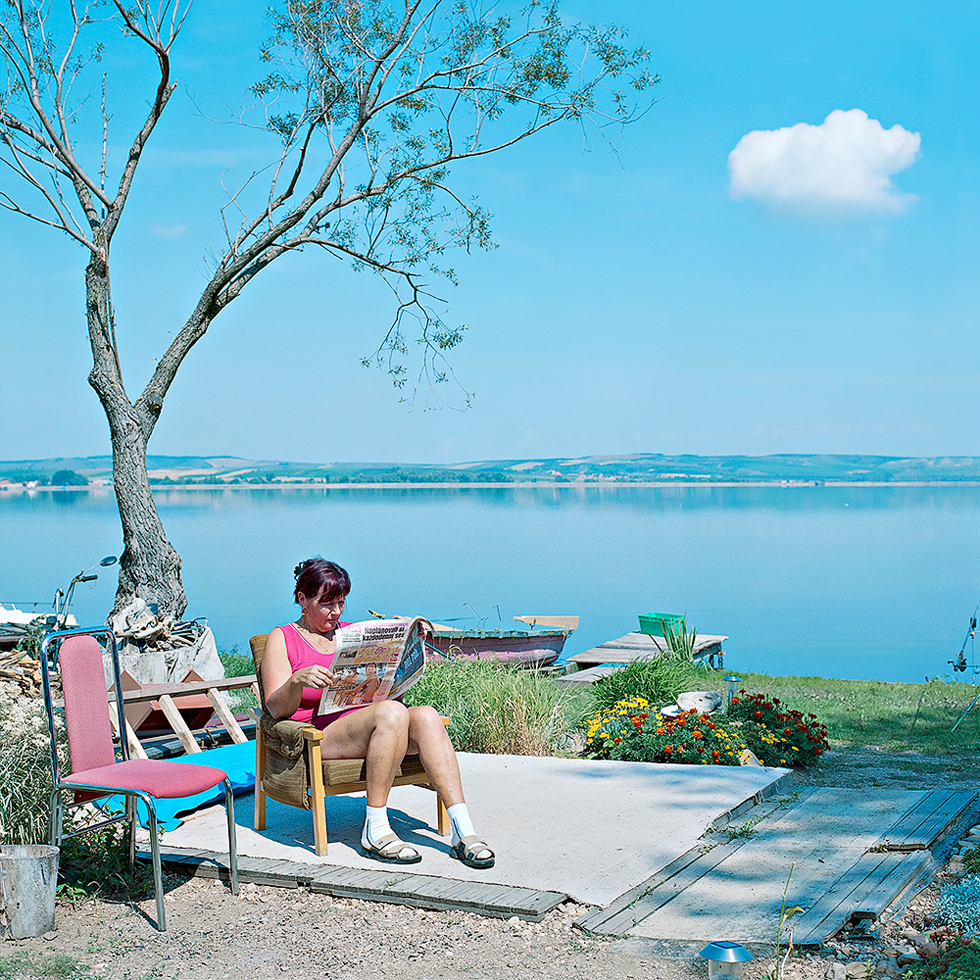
(842, 581)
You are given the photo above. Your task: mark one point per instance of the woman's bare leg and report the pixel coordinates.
(427, 737)
(378, 734)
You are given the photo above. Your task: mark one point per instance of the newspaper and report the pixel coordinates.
(375, 660)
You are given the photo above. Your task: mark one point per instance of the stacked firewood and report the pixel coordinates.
(22, 669)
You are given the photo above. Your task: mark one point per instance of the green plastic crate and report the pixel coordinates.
(653, 623)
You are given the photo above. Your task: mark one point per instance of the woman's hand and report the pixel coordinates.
(315, 676)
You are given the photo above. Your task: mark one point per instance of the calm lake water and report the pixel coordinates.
(868, 582)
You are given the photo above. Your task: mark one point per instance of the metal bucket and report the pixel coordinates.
(28, 884)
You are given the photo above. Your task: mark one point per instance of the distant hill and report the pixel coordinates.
(633, 468)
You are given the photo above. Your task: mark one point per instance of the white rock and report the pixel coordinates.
(703, 702)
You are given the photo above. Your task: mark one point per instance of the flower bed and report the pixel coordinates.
(778, 737)
(630, 731)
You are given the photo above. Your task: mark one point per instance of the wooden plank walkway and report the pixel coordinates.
(844, 867)
(635, 646)
(400, 887)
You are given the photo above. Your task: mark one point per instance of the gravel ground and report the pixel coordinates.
(270, 932)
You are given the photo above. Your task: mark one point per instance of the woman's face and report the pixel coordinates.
(322, 615)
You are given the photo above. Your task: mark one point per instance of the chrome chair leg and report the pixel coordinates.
(232, 841)
(131, 820)
(155, 855)
(57, 817)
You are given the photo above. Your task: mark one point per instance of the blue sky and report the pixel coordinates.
(823, 300)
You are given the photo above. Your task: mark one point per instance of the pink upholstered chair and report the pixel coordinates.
(96, 770)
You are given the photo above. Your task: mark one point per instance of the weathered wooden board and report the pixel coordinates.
(865, 890)
(399, 887)
(634, 646)
(924, 823)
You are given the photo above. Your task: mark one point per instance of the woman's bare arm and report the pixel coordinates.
(283, 687)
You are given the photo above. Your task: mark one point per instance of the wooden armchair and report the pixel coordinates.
(289, 769)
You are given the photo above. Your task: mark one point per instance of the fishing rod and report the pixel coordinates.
(960, 662)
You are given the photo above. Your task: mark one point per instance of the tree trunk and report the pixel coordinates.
(149, 567)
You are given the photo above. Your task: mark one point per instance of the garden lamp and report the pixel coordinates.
(725, 959)
(730, 681)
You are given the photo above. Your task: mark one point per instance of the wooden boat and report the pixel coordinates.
(534, 648)
(15, 624)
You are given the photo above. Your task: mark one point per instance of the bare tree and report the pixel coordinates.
(372, 103)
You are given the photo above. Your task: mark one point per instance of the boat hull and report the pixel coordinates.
(516, 647)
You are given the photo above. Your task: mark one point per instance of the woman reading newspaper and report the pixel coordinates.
(296, 668)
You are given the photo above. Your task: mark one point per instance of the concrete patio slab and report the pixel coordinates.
(591, 830)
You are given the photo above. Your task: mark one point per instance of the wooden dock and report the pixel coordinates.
(851, 853)
(636, 646)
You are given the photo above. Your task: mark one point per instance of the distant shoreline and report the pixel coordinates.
(510, 485)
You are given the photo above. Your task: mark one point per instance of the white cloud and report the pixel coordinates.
(843, 164)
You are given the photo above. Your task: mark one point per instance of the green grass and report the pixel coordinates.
(892, 717)
(22, 966)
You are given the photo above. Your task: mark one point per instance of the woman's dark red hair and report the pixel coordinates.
(318, 578)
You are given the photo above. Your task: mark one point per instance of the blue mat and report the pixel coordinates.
(237, 761)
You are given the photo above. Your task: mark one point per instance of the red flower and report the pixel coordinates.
(715, 754)
(758, 714)
(668, 749)
(617, 740)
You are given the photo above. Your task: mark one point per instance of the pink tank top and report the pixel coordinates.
(302, 653)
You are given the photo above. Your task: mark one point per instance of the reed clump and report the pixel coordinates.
(25, 761)
(496, 709)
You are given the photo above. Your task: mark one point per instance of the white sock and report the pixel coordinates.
(376, 824)
(459, 816)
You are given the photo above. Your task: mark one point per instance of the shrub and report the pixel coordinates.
(630, 732)
(656, 680)
(778, 737)
(494, 708)
(960, 960)
(239, 665)
(959, 906)
(25, 761)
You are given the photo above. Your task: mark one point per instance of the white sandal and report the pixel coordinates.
(390, 849)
